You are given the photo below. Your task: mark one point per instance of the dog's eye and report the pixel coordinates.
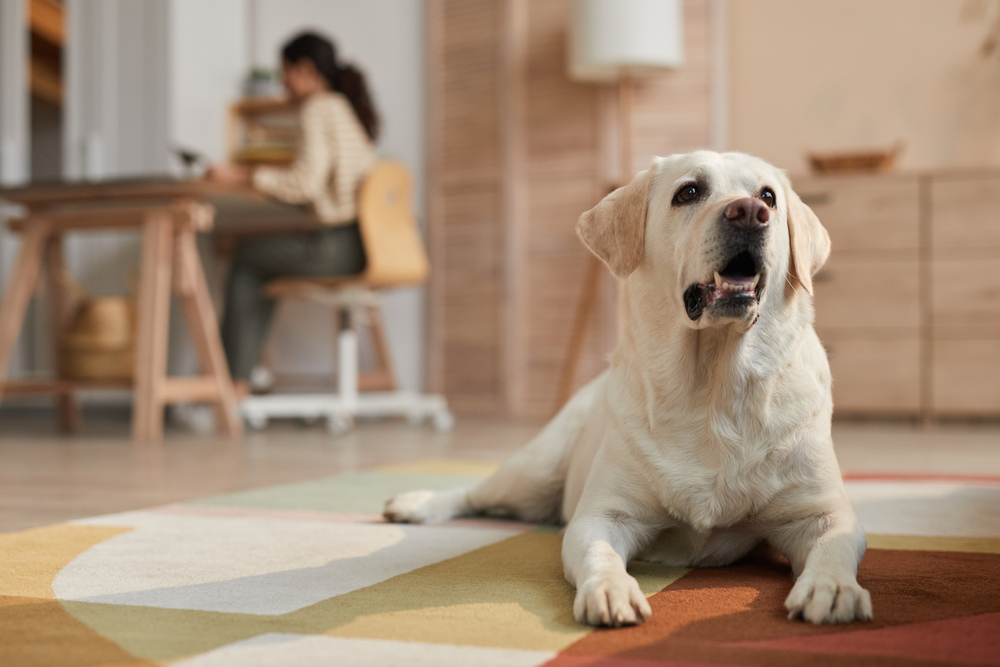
(767, 196)
(686, 194)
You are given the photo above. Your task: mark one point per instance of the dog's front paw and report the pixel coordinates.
(425, 506)
(410, 507)
(611, 600)
(825, 598)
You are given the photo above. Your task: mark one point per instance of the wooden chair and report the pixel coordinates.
(395, 257)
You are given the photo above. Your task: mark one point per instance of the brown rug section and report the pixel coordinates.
(42, 633)
(973, 640)
(735, 616)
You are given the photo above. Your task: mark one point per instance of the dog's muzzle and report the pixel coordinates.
(735, 288)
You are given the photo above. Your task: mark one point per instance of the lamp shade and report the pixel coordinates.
(611, 39)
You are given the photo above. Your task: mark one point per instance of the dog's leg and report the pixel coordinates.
(825, 552)
(596, 549)
(529, 484)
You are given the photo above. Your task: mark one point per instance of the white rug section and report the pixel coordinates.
(251, 565)
(942, 509)
(281, 650)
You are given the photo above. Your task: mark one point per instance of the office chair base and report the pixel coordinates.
(340, 413)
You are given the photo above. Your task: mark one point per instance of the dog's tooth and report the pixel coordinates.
(756, 279)
(718, 280)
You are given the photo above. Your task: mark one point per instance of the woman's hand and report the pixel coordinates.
(229, 174)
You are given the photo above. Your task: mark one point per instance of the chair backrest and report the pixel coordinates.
(395, 252)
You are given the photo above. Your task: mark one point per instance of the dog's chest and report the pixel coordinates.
(711, 482)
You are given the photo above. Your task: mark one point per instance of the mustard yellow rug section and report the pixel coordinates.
(35, 629)
(32, 558)
(983, 545)
(507, 595)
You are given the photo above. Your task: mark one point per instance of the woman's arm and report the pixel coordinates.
(306, 179)
(229, 173)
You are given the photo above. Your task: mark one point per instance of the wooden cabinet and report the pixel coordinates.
(908, 306)
(873, 375)
(966, 373)
(965, 294)
(868, 298)
(965, 291)
(965, 213)
(855, 291)
(865, 213)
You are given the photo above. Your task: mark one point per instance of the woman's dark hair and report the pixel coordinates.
(344, 79)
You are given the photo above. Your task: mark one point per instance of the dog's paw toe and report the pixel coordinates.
(426, 506)
(613, 601)
(828, 599)
(409, 507)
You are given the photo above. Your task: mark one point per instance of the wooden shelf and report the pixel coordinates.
(47, 26)
(56, 386)
(262, 131)
(175, 389)
(46, 19)
(251, 105)
(45, 82)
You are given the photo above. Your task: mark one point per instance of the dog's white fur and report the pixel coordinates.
(704, 438)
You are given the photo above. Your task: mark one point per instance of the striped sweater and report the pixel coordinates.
(332, 161)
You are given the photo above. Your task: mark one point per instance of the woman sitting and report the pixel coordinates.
(339, 126)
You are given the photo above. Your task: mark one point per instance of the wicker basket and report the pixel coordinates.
(100, 344)
(855, 162)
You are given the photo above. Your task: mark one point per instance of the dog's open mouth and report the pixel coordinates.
(734, 287)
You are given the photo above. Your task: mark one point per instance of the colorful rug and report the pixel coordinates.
(308, 574)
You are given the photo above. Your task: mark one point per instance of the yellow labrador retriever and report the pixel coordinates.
(710, 431)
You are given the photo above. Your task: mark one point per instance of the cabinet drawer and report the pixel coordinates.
(866, 213)
(966, 377)
(964, 214)
(868, 293)
(965, 292)
(872, 377)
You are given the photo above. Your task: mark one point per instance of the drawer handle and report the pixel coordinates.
(817, 199)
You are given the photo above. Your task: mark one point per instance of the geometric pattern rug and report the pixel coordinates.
(309, 574)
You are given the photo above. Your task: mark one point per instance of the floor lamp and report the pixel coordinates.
(614, 42)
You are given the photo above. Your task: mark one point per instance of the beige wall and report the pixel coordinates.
(820, 75)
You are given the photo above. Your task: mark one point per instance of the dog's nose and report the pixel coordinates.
(748, 213)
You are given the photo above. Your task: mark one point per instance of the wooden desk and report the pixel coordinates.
(170, 213)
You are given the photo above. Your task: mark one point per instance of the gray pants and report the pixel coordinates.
(335, 251)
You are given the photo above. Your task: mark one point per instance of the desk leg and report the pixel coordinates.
(154, 318)
(20, 287)
(204, 328)
(59, 314)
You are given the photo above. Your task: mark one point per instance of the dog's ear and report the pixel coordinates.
(809, 243)
(614, 229)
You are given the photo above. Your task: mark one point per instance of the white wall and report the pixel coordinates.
(812, 75)
(385, 38)
(208, 60)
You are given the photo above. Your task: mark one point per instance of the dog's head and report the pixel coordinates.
(718, 235)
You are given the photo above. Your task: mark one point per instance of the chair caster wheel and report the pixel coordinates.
(443, 421)
(256, 422)
(339, 425)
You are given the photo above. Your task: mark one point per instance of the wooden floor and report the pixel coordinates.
(46, 478)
